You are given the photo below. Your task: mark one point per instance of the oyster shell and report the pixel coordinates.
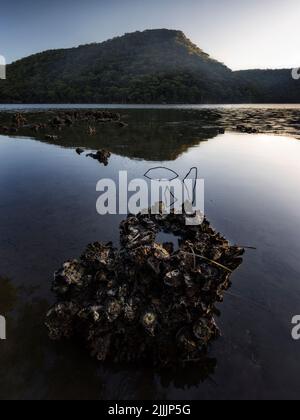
(146, 300)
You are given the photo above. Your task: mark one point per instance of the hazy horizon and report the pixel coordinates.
(243, 35)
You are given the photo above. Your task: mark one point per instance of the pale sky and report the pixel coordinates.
(243, 34)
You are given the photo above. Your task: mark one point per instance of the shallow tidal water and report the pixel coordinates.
(48, 215)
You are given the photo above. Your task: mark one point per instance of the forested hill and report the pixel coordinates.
(154, 66)
(271, 86)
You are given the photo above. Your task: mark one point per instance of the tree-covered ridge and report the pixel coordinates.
(154, 66)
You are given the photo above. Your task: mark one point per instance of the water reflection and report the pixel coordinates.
(31, 366)
(166, 134)
(48, 215)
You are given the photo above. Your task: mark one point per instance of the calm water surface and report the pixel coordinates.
(48, 214)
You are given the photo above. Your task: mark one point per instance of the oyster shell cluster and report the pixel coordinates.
(145, 300)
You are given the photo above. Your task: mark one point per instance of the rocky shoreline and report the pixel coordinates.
(51, 125)
(283, 122)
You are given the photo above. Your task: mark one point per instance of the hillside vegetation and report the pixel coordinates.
(154, 66)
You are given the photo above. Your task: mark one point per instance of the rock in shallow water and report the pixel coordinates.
(102, 156)
(145, 301)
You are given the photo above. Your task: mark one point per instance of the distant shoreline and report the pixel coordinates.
(9, 106)
(56, 121)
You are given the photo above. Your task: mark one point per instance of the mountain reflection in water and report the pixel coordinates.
(48, 215)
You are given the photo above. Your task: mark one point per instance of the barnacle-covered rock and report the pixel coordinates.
(70, 275)
(204, 330)
(149, 321)
(91, 313)
(174, 278)
(130, 311)
(146, 300)
(98, 256)
(113, 310)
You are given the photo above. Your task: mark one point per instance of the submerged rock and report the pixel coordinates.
(79, 151)
(146, 301)
(102, 156)
(247, 129)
